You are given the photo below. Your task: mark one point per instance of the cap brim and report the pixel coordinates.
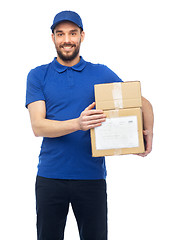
(55, 24)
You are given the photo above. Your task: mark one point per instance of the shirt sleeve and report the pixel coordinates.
(34, 91)
(110, 76)
(106, 75)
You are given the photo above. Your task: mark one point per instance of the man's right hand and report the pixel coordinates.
(91, 118)
(43, 127)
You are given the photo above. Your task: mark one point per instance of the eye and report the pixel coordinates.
(73, 34)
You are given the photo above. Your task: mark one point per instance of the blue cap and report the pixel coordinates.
(67, 16)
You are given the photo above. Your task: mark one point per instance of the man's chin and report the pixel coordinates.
(68, 56)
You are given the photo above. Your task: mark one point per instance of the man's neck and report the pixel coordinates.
(69, 63)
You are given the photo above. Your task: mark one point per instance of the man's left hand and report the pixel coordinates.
(148, 139)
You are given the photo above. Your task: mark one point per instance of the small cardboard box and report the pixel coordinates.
(117, 95)
(122, 133)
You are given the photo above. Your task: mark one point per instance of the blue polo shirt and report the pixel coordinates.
(67, 91)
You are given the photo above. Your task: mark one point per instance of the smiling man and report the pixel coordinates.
(60, 99)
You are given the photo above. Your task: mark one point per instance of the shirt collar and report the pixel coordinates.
(61, 68)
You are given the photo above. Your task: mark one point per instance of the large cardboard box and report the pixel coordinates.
(122, 133)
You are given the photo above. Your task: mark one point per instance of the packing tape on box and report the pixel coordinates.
(113, 113)
(117, 95)
(118, 103)
(117, 151)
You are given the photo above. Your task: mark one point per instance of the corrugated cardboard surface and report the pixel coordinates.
(115, 114)
(121, 99)
(111, 96)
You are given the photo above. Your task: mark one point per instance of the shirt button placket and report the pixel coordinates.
(70, 77)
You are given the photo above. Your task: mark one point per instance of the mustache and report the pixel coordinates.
(67, 45)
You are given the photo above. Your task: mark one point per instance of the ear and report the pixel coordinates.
(53, 37)
(82, 36)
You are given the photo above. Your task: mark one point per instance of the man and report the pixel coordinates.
(60, 99)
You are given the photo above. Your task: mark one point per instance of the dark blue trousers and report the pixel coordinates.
(88, 199)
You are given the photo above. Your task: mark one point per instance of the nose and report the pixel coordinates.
(67, 38)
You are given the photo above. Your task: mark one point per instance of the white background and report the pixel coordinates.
(136, 39)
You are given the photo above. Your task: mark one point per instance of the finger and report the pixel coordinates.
(94, 125)
(94, 117)
(93, 112)
(145, 132)
(96, 121)
(142, 154)
(148, 144)
(90, 106)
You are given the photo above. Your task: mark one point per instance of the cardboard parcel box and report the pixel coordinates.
(122, 133)
(117, 95)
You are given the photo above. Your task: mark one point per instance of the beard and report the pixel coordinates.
(67, 56)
